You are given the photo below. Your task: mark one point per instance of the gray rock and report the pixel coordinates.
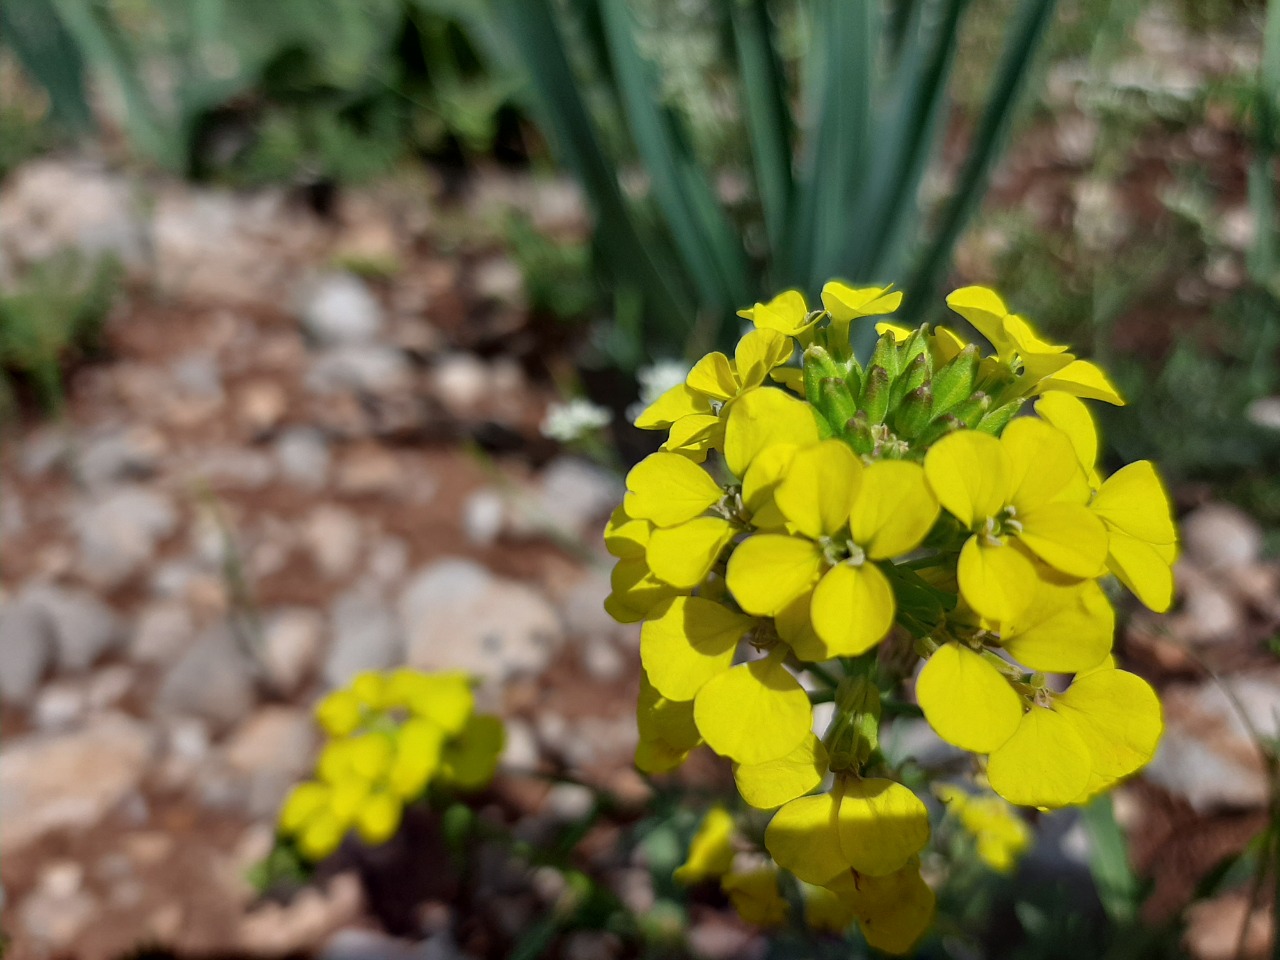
(459, 616)
(334, 537)
(84, 628)
(54, 921)
(364, 636)
(69, 781)
(569, 801)
(232, 467)
(292, 643)
(1219, 536)
(60, 706)
(27, 650)
(49, 206)
(358, 944)
(164, 629)
(213, 680)
(266, 755)
(520, 750)
(119, 454)
(499, 278)
(461, 381)
(118, 532)
(1207, 754)
(44, 449)
(483, 517)
(367, 367)
(304, 457)
(576, 496)
(339, 309)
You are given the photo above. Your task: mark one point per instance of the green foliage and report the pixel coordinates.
(253, 91)
(835, 112)
(53, 313)
(557, 272)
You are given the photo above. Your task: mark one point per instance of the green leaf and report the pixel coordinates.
(47, 52)
(1118, 886)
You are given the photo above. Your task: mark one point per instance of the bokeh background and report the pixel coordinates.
(319, 325)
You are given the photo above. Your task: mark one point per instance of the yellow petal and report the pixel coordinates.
(683, 555)
(378, 818)
(1072, 417)
(1080, 378)
(305, 800)
(882, 825)
(694, 435)
(1067, 536)
(804, 837)
(852, 609)
(624, 537)
(966, 699)
(785, 313)
(828, 910)
(761, 482)
(666, 728)
(689, 641)
(894, 509)
(766, 572)
(321, 835)
(984, 309)
(753, 712)
(775, 782)
(679, 401)
(371, 755)
(819, 488)
(1141, 567)
(470, 760)
(1118, 716)
(1066, 628)
(710, 850)
(339, 713)
(762, 418)
(754, 894)
(759, 352)
(996, 581)
(444, 698)
(1031, 344)
(635, 591)
(667, 489)
(846, 303)
(970, 474)
(796, 629)
(1134, 501)
(894, 926)
(1044, 464)
(1044, 764)
(419, 744)
(713, 377)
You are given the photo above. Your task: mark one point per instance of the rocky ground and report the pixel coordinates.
(279, 473)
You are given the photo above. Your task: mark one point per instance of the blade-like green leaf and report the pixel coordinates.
(1118, 886)
(558, 101)
(47, 52)
(1021, 45)
(1264, 258)
(697, 224)
(768, 117)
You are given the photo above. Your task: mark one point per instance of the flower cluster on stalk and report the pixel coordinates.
(389, 737)
(812, 518)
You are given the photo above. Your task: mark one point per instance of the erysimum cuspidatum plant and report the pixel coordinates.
(935, 515)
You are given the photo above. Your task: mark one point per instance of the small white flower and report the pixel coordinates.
(567, 422)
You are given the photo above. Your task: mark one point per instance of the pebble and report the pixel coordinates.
(1219, 536)
(368, 367)
(575, 497)
(460, 382)
(276, 929)
(213, 681)
(27, 651)
(292, 642)
(120, 454)
(69, 781)
(457, 615)
(520, 751)
(303, 455)
(1208, 612)
(365, 636)
(334, 537)
(164, 629)
(483, 517)
(118, 532)
(55, 921)
(567, 802)
(59, 706)
(84, 628)
(261, 405)
(267, 754)
(373, 471)
(1214, 927)
(339, 309)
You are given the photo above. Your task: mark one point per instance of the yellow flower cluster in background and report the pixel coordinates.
(939, 504)
(389, 736)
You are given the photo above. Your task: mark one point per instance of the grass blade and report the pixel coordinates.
(1264, 259)
(1021, 45)
(1118, 886)
(768, 117)
(558, 101)
(48, 53)
(701, 233)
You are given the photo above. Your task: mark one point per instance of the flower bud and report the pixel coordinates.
(875, 393)
(954, 382)
(913, 413)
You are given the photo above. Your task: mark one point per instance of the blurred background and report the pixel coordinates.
(320, 322)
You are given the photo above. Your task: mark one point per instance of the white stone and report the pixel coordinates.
(213, 680)
(84, 628)
(118, 532)
(367, 367)
(163, 631)
(334, 537)
(304, 457)
(27, 650)
(365, 636)
(1219, 536)
(292, 642)
(339, 309)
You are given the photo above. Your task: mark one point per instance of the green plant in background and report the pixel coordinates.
(54, 311)
(839, 110)
(251, 91)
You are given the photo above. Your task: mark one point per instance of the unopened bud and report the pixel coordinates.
(914, 412)
(875, 393)
(954, 381)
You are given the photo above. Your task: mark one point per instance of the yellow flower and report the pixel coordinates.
(339, 713)
(1142, 541)
(1022, 496)
(842, 517)
(1050, 750)
(893, 911)
(710, 850)
(666, 728)
(787, 313)
(443, 698)
(846, 304)
(754, 894)
(635, 590)
(769, 785)
(470, 759)
(1001, 835)
(1036, 365)
(870, 826)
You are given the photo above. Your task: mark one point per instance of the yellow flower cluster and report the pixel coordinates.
(389, 736)
(938, 501)
(1000, 834)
